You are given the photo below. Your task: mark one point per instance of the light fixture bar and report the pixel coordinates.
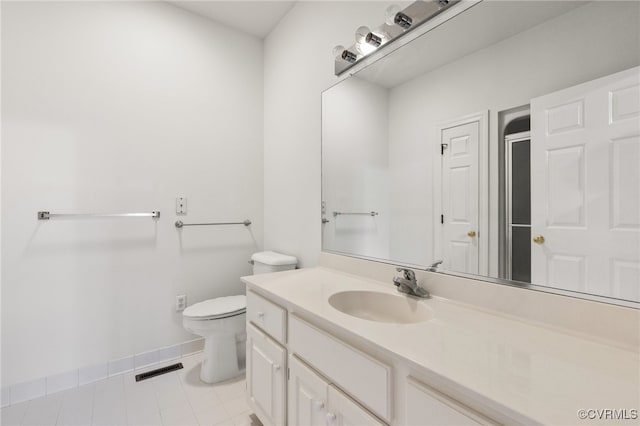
(403, 22)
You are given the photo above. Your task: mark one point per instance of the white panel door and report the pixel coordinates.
(266, 371)
(307, 395)
(585, 187)
(342, 411)
(460, 182)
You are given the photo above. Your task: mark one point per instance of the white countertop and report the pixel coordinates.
(541, 374)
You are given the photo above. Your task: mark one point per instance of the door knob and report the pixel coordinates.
(471, 234)
(538, 239)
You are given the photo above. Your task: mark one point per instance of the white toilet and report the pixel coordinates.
(221, 321)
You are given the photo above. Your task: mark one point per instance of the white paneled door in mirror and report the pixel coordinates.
(459, 218)
(585, 191)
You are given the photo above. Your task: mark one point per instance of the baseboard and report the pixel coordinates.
(48, 385)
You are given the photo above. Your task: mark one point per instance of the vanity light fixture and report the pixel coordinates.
(390, 15)
(397, 23)
(349, 56)
(361, 34)
(340, 53)
(362, 46)
(373, 39)
(395, 16)
(403, 20)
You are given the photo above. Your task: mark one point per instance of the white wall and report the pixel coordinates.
(120, 107)
(355, 163)
(298, 66)
(589, 42)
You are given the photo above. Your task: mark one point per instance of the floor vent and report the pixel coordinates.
(158, 371)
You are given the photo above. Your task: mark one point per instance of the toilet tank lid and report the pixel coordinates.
(274, 259)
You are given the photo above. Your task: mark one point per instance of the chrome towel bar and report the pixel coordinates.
(180, 224)
(353, 214)
(43, 215)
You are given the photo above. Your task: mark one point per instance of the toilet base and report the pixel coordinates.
(219, 359)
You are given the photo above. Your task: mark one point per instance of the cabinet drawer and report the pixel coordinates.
(266, 315)
(364, 378)
(426, 406)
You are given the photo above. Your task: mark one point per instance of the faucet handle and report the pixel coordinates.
(434, 266)
(408, 273)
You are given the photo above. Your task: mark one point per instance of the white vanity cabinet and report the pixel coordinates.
(342, 411)
(314, 402)
(266, 359)
(266, 377)
(298, 374)
(425, 406)
(307, 395)
(365, 378)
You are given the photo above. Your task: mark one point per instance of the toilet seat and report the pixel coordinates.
(220, 307)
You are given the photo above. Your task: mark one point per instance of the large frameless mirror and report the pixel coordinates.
(504, 143)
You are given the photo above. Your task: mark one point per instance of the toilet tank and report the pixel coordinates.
(270, 261)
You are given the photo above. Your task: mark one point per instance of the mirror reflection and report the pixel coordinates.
(504, 143)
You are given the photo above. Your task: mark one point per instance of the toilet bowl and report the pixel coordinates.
(221, 322)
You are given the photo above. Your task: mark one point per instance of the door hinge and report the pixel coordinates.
(443, 146)
(442, 219)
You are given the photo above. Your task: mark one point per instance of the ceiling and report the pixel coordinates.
(257, 18)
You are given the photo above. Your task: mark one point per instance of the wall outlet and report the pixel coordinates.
(181, 302)
(181, 205)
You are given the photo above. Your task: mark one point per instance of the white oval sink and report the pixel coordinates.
(380, 307)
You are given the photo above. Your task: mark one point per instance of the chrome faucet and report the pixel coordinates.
(434, 266)
(407, 283)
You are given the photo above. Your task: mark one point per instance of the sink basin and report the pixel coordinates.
(380, 307)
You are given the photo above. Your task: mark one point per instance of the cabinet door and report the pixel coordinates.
(356, 372)
(307, 395)
(342, 411)
(266, 380)
(425, 406)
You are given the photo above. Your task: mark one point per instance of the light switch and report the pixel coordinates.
(181, 205)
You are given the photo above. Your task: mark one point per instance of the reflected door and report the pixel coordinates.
(585, 187)
(518, 206)
(460, 182)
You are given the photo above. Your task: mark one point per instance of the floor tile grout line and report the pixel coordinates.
(155, 398)
(222, 404)
(24, 414)
(64, 398)
(59, 409)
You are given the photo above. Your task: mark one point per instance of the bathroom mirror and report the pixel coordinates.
(505, 143)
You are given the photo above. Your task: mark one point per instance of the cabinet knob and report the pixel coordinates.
(471, 234)
(538, 239)
(276, 367)
(261, 315)
(331, 418)
(319, 405)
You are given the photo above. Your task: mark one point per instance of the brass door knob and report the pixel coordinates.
(538, 239)
(471, 234)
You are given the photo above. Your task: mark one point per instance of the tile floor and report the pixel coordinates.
(176, 398)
